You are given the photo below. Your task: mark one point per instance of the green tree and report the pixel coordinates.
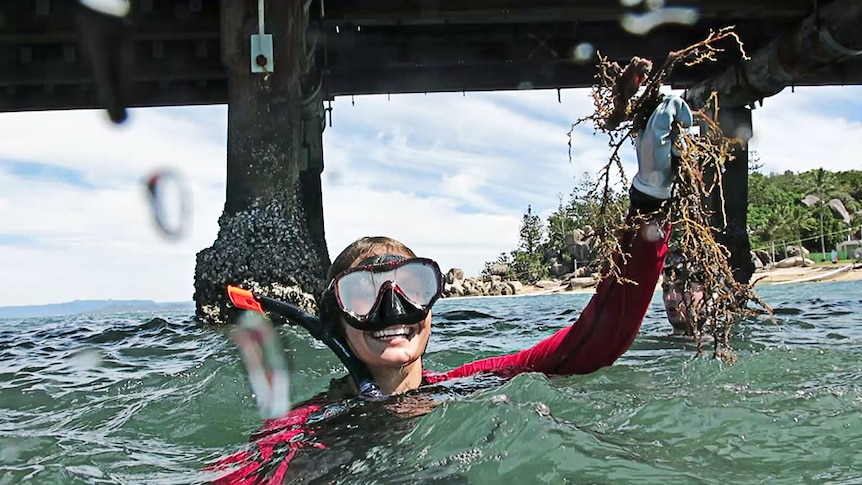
(580, 212)
(532, 232)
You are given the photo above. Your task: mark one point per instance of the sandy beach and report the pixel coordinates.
(810, 274)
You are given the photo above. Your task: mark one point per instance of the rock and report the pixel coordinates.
(577, 283)
(838, 210)
(265, 248)
(763, 256)
(793, 261)
(758, 264)
(545, 284)
(499, 269)
(453, 275)
(559, 269)
(550, 256)
(810, 200)
(796, 251)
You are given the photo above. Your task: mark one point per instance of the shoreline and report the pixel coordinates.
(823, 273)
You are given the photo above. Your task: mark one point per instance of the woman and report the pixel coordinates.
(379, 301)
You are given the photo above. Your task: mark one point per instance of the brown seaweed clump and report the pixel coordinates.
(620, 114)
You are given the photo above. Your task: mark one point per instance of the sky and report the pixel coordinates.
(450, 175)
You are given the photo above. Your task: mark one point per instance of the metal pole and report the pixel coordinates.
(260, 17)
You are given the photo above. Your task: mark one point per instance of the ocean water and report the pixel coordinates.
(141, 398)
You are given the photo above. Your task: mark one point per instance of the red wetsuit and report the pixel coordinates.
(603, 332)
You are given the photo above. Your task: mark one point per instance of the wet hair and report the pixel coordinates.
(676, 267)
(362, 248)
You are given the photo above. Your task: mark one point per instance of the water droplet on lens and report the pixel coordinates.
(583, 52)
(543, 409)
(263, 357)
(86, 359)
(8, 454)
(334, 177)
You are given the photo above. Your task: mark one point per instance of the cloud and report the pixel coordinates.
(811, 128)
(447, 174)
(73, 203)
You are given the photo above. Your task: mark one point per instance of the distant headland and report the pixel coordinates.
(91, 306)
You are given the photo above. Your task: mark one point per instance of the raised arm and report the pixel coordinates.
(611, 320)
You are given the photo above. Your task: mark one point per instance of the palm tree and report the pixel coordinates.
(821, 186)
(802, 219)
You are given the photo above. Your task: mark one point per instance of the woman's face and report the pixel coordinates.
(679, 303)
(392, 347)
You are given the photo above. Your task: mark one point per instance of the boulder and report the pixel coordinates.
(838, 210)
(810, 200)
(584, 282)
(545, 284)
(559, 269)
(796, 251)
(453, 275)
(793, 261)
(764, 257)
(499, 269)
(550, 256)
(758, 264)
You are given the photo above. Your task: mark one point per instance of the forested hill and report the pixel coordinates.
(783, 209)
(91, 306)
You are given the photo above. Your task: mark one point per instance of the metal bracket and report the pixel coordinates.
(262, 59)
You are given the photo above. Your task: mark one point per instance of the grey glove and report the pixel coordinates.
(654, 147)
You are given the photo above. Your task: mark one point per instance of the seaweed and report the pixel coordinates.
(620, 113)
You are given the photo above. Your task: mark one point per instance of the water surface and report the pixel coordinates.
(140, 398)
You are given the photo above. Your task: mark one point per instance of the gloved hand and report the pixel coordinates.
(654, 147)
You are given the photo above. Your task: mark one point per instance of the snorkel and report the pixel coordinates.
(247, 300)
(379, 292)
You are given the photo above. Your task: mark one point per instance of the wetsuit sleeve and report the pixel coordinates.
(605, 329)
(269, 455)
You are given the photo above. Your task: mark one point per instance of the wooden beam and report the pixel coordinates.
(167, 88)
(61, 97)
(423, 12)
(830, 36)
(397, 46)
(177, 69)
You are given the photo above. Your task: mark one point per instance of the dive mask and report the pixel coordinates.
(387, 290)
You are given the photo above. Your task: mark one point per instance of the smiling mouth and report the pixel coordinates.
(393, 332)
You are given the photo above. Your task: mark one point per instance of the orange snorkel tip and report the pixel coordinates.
(244, 299)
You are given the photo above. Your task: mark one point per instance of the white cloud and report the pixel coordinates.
(100, 241)
(449, 175)
(431, 226)
(811, 128)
